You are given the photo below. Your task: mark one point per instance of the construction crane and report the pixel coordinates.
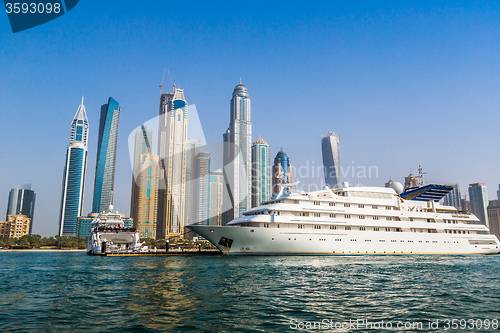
(173, 83)
(161, 83)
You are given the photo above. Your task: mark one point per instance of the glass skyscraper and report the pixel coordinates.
(172, 158)
(22, 201)
(261, 172)
(106, 156)
(453, 198)
(282, 171)
(238, 155)
(330, 147)
(202, 172)
(215, 198)
(478, 196)
(73, 186)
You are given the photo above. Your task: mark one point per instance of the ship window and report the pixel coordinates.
(317, 203)
(332, 204)
(375, 207)
(317, 215)
(376, 229)
(361, 217)
(387, 229)
(387, 207)
(317, 227)
(362, 228)
(347, 216)
(375, 217)
(301, 226)
(332, 215)
(388, 218)
(333, 227)
(411, 219)
(347, 205)
(361, 206)
(347, 228)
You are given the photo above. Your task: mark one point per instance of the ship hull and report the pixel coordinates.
(236, 240)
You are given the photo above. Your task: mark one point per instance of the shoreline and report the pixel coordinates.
(42, 250)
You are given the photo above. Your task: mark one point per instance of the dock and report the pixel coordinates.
(163, 253)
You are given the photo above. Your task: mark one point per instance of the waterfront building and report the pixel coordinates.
(106, 156)
(282, 171)
(172, 159)
(498, 192)
(478, 197)
(411, 181)
(202, 172)
(330, 147)
(388, 184)
(85, 224)
(465, 204)
(494, 217)
(22, 202)
(17, 225)
(261, 172)
(453, 198)
(237, 155)
(75, 171)
(215, 198)
(144, 196)
(192, 149)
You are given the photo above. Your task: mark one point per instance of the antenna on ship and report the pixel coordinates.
(421, 176)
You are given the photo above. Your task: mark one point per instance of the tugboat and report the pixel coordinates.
(109, 235)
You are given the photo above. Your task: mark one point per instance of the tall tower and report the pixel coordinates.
(144, 196)
(478, 196)
(172, 159)
(282, 171)
(106, 156)
(202, 172)
(75, 170)
(193, 148)
(238, 155)
(330, 147)
(215, 198)
(453, 198)
(22, 202)
(261, 172)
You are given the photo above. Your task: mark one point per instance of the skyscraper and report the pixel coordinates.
(453, 198)
(172, 159)
(144, 196)
(215, 198)
(238, 155)
(106, 156)
(478, 197)
(494, 217)
(75, 170)
(193, 148)
(330, 147)
(22, 202)
(202, 172)
(261, 172)
(282, 171)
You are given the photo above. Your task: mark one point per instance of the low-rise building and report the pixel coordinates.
(16, 226)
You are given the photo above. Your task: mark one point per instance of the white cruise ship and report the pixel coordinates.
(354, 221)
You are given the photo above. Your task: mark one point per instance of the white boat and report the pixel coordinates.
(354, 221)
(110, 235)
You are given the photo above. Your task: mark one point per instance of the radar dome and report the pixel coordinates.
(345, 184)
(326, 187)
(397, 187)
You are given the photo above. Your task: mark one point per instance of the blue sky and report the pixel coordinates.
(404, 83)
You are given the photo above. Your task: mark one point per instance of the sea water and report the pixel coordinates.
(73, 292)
